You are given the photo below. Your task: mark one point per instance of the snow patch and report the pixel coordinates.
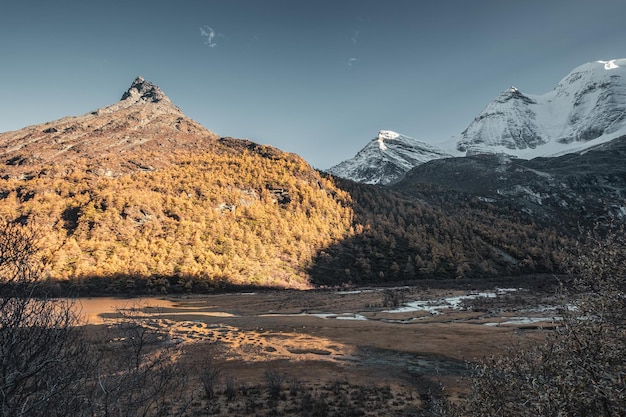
(609, 65)
(385, 135)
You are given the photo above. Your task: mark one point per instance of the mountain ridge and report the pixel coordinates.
(144, 119)
(585, 109)
(570, 191)
(137, 198)
(586, 105)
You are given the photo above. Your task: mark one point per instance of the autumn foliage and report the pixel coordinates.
(247, 214)
(238, 213)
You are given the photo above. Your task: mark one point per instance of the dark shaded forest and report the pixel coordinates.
(441, 235)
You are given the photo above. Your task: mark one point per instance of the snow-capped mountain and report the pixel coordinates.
(386, 158)
(586, 108)
(580, 130)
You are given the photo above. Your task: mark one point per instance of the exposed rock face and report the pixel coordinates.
(142, 90)
(109, 140)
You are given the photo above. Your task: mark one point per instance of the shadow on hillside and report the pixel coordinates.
(129, 286)
(399, 238)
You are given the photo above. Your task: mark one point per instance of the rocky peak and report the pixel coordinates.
(144, 91)
(111, 140)
(513, 93)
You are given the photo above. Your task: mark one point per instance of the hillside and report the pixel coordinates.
(436, 233)
(566, 192)
(136, 197)
(138, 190)
(236, 213)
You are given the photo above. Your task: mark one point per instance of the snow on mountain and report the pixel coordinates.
(586, 108)
(386, 158)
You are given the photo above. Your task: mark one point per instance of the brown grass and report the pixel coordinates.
(327, 364)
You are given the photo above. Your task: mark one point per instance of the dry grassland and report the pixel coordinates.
(363, 352)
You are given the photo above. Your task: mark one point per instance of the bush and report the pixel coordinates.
(43, 356)
(274, 381)
(579, 370)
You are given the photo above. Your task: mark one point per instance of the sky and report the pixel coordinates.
(318, 78)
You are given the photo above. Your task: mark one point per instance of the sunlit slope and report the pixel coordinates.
(238, 213)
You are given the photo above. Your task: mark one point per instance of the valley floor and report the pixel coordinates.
(373, 351)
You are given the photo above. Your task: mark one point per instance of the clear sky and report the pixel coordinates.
(319, 78)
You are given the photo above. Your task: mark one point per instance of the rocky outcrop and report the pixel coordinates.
(142, 90)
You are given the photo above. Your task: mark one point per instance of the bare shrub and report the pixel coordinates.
(313, 406)
(295, 386)
(579, 370)
(210, 378)
(393, 297)
(141, 372)
(230, 391)
(43, 356)
(274, 381)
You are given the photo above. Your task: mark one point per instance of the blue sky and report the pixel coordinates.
(318, 78)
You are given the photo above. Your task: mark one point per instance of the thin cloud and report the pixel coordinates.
(355, 37)
(210, 35)
(351, 61)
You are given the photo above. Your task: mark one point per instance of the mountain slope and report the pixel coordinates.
(138, 191)
(110, 140)
(386, 158)
(569, 191)
(588, 106)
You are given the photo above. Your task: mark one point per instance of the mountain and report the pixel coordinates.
(110, 141)
(587, 107)
(137, 198)
(386, 158)
(576, 137)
